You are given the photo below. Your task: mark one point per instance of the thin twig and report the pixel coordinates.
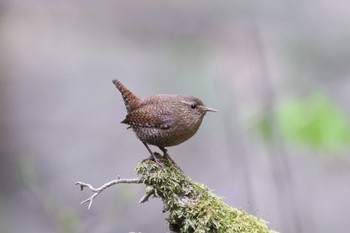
(97, 191)
(146, 196)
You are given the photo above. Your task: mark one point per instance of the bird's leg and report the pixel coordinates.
(152, 155)
(165, 151)
(166, 155)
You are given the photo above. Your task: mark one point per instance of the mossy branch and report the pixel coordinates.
(192, 206)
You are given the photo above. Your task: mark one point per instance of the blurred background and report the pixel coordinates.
(277, 71)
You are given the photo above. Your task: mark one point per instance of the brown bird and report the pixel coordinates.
(162, 120)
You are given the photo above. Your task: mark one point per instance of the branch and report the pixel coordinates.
(97, 191)
(192, 207)
(146, 196)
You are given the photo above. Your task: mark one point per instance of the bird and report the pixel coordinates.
(162, 120)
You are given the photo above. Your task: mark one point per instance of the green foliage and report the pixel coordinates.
(191, 205)
(314, 122)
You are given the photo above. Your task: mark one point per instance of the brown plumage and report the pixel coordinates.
(163, 120)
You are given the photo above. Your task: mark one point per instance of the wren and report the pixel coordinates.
(162, 120)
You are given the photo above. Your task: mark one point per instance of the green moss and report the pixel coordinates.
(191, 205)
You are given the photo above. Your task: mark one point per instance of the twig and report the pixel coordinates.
(97, 191)
(146, 196)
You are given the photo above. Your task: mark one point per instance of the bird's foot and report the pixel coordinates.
(154, 158)
(167, 156)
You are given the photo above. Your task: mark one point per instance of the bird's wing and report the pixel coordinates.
(149, 117)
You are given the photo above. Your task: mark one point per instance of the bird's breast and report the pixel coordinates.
(179, 132)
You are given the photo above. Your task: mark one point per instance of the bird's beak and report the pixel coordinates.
(207, 109)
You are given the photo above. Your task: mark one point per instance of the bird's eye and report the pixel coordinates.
(193, 106)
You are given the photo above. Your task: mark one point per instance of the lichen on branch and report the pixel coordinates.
(192, 206)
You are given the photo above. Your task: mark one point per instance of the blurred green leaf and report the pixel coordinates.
(314, 122)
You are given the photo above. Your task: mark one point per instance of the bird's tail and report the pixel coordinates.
(131, 101)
